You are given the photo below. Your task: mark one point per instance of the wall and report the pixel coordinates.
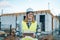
(11, 19)
(55, 25)
(6, 21)
(49, 22)
(19, 21)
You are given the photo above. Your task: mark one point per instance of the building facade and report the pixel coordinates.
(45, 19)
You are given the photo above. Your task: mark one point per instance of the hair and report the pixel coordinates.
(26, 17)
(29, 12)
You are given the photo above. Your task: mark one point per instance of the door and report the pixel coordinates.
(42, 20)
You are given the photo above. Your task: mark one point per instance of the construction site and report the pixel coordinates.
(11, 24)
(29, 20)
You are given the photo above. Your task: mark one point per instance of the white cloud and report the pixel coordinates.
(55, 11)
(4, 4)
(8, 7)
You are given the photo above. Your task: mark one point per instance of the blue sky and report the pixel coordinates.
(13, 6)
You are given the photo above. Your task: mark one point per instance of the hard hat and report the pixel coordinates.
(29, 10)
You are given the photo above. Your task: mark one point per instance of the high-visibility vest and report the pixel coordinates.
(32, 28)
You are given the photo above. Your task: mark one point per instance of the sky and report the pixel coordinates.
(15, 6)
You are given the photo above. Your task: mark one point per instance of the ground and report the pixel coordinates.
(56, 37)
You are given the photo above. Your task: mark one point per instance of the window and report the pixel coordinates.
(24, 18)
(0, 25)
(42, 20)
(34, 17)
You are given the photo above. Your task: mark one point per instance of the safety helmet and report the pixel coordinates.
(29, 10)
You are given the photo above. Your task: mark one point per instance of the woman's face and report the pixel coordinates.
(30, 16)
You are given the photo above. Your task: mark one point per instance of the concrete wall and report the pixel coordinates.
(6, 21)
(11, 19)
(19, 22)
(48, 21)
(55, 25)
